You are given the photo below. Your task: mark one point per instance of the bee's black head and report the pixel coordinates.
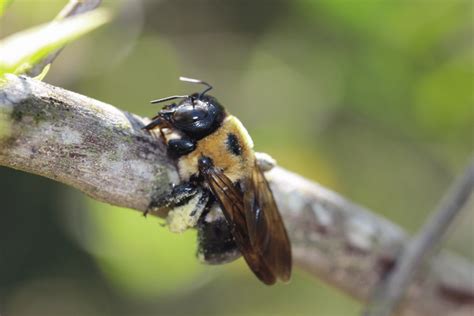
(196, 116)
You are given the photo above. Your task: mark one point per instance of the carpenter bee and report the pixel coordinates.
(222, 190)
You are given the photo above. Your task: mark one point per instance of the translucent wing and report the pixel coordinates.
(266, 230)
(231, 201)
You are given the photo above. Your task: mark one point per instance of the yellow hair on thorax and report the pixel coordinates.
(215, 147)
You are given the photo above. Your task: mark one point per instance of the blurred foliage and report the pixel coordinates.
(22, 50)
(139, 255)
(3, 5)
(373, 99)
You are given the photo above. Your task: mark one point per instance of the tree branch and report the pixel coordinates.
(391, 291)
(102, 151)
(82, 142)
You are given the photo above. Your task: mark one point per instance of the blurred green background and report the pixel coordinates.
(373, 99)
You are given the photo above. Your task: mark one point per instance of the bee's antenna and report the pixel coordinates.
(191, 80)
(169, 98)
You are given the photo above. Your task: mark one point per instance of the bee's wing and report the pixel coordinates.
(265, 226)
(231, 201)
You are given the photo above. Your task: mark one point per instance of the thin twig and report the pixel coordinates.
(391, 290)
(104, 153)
(74, 7)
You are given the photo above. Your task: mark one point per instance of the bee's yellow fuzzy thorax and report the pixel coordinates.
(216, 147)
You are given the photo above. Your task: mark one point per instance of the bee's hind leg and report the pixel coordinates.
(186, 201)
(187, 212)
(180, 194)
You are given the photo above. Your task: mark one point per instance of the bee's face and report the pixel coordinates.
(194, 116)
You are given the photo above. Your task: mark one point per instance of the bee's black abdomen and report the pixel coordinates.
(233, 144)
(216, 245)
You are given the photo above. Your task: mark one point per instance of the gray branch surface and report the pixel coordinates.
(102, 151)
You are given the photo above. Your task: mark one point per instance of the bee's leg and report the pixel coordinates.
(155, 121)
(179, 195)
(184, 192)
(186, 215)
(180, 147)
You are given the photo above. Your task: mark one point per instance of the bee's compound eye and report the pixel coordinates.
(188, 114)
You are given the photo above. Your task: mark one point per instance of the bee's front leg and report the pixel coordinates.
(184, 191)
(180, 147)
(180, 194)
